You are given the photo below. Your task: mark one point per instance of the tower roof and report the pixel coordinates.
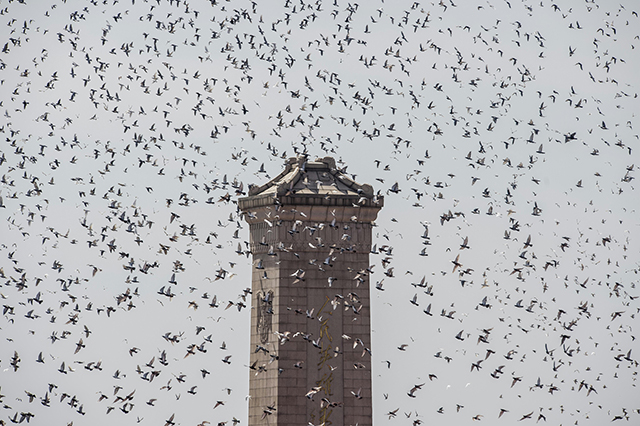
(318, 182)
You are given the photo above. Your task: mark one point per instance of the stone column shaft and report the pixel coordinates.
(310, 326)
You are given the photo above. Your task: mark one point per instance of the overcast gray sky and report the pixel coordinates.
(130, 128)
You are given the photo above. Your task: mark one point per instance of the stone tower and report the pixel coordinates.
(310, 329)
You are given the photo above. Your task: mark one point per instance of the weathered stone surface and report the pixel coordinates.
(310, 239)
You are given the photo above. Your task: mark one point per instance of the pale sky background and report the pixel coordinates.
(121, 121)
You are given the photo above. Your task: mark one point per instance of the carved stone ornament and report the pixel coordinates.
(265, 313)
